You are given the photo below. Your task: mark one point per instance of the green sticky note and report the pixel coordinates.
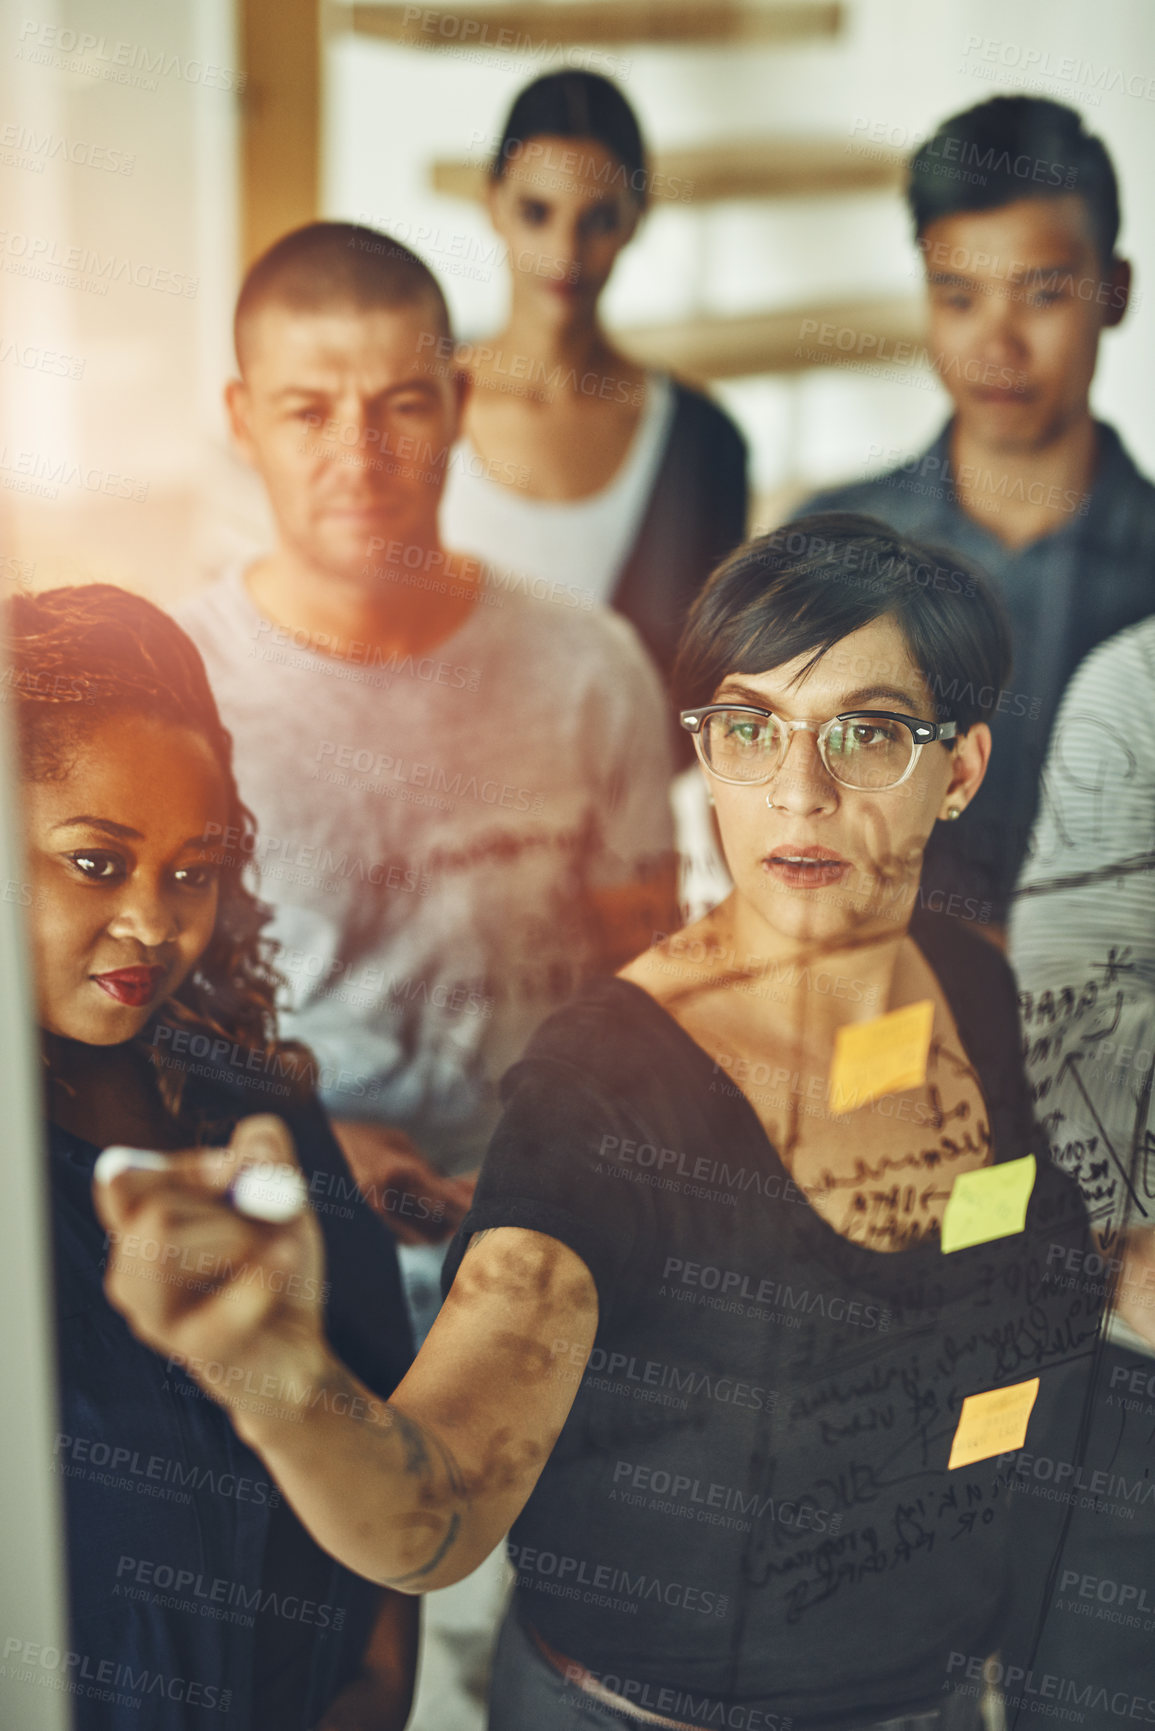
(988, 1203)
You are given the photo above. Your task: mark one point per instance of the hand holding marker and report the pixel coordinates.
(238, 1220)
(266, 1191)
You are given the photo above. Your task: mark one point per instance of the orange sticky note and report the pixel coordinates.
(882, 1056)
(992, 1423)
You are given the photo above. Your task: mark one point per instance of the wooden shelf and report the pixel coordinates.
(738, 168)
(863, 333)
(523, 26)
(279, 119)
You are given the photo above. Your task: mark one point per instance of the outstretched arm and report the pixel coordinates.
(412, 1492)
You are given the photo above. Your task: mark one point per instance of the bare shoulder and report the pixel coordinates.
(685, 959)
(646, 970)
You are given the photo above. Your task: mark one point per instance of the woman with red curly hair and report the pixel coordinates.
(191, 1581)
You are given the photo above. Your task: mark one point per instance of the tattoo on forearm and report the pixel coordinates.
(427, 1459)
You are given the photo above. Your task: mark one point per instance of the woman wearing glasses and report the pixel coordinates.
(703, 1348)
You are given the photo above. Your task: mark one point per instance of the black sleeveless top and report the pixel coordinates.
(749, 1508)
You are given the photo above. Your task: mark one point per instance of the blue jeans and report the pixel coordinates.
(527, 1694)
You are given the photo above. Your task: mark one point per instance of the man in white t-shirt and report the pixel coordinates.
(461, 792)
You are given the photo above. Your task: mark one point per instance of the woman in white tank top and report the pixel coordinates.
(578, 468)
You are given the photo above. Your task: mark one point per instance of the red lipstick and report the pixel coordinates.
(133, 986)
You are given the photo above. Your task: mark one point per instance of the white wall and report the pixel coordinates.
(117, 148)
(147, 403)
(901, 64)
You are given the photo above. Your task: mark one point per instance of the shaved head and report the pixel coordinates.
(336, 265)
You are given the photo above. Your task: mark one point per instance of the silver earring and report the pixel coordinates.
(953, 812)
(769, 803)
(709, 797)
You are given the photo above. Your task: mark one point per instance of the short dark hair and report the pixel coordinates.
(576, 105)
(1009, 148)
(328, 264)
(804, 587)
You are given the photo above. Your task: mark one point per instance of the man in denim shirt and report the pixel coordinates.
(1016, 212)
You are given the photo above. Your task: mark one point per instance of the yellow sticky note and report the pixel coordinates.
(882, 1056)
(992, 1423)
(988, 1203)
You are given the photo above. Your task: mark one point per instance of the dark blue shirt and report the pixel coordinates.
(170, 1518)
(1065, 593)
